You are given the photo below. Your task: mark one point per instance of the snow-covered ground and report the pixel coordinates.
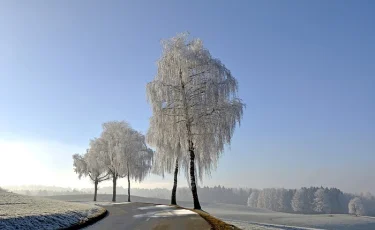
(254, 218)
(263, 226)
(25, 212)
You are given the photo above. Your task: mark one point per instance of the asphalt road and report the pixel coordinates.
(149, 216)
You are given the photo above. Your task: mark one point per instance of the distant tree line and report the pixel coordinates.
(313, 200)
(216, 194)
(47, 192)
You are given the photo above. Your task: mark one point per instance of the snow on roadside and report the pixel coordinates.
(25, 212)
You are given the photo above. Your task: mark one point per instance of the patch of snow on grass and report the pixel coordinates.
(25, 212)
(163, 211)
(161, 206)
(104, 203)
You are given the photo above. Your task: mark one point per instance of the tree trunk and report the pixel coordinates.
(191, 146)
(173, 199)
(192, 177)
(96, 189)
(128, 184)
(114, 180)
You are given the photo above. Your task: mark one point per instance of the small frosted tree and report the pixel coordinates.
(91, 165)
(136, 158)
(112, 142)
(356, 207)
(268, 198)
(298, 202)
(125, 153)
(261, 200)
(194, 102)
(252, 201)
(321, 201)
(283, 200)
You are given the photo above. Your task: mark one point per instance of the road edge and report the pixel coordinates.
(90, 221)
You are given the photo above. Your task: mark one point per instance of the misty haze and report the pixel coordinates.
(254, 115)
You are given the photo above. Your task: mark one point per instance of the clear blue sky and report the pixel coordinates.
(306, 70)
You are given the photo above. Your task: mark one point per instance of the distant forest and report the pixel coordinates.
(313, 200)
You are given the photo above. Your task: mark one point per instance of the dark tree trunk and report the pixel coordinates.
(192, 177)
(173, 199)
(128, 184)
(96, 189)
(191, 147)
(114, 180)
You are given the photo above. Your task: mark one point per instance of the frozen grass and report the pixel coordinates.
(25, 212)
(216, 224)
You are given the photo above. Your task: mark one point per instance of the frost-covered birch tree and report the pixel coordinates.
(125, 153)
(194, 100)
(252, 201)
(321, 202)
(112, 138)
(136, 157)
(356, 207)
(298, 201)
(285, 200)
(261, 200)
(91, 165)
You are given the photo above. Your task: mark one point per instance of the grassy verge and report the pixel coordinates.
(215, 223)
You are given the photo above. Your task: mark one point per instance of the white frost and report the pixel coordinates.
(25, 212)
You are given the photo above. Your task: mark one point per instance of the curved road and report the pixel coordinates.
(149, 216)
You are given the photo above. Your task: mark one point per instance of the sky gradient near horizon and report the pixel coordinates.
(306, 72)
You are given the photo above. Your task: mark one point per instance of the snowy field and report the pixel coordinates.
(250, 218)
(25, 212)
(254, 218)
(259, 226)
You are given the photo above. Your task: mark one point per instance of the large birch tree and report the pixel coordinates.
(194, 101)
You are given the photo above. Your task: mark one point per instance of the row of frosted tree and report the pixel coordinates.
(195, 110)
(119, 152)
(320, 200)
(313, 200)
